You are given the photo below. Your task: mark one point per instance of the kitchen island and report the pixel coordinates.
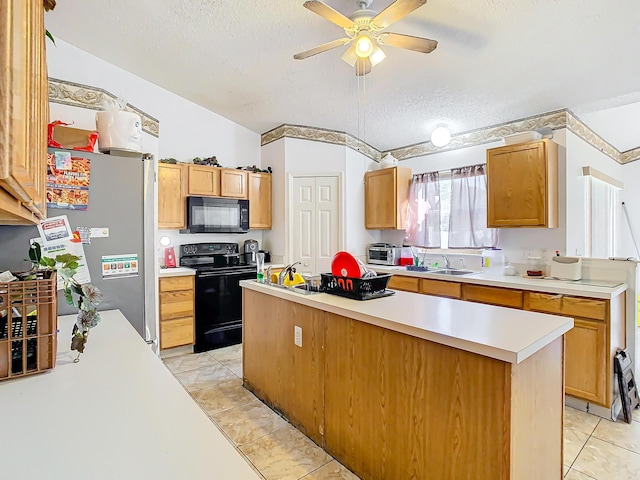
(411, 386)
(118, 413)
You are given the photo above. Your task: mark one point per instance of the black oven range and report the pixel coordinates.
(218, 295)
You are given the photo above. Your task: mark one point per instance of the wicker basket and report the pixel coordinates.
(28, 327)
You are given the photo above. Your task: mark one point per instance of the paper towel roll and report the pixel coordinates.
(119, 130)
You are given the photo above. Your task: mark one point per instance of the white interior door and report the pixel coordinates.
(315, 207)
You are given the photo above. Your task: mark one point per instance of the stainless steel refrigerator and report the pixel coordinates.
(117, 190)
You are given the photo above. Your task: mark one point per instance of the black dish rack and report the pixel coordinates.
(356, 288)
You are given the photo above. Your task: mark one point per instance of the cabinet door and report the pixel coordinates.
(585, 365)
(204, 181)
(522, 186)
(259, 200)
(386, 196)
(23, 111)
(440, 288)
(407, 284)
(171, 200)
(233, 183)
(492, 295)
(380, 199)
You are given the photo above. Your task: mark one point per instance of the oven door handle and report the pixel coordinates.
(220, 274)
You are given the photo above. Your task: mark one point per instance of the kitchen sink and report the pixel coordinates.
(451, 271)
(304, 288)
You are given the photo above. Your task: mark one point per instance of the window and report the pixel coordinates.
(601, 213)
(448, 210)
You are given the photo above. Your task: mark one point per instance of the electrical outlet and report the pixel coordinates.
(297, 335)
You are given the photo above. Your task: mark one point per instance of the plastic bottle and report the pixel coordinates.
(260, 267)
(493, 261)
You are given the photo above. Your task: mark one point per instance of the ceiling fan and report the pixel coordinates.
(365, 30)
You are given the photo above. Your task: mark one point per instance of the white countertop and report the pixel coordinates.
(545, 285)
(502, 333)
(118, 413)
(175, 272)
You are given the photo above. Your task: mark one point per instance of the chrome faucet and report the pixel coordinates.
(447, 261)
(285, 271)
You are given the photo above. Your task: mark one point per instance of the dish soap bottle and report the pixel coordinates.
(260, 267)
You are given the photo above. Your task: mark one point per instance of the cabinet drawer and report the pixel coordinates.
(176, 283)
(440, 288)
(176, 304)
(408, 284)
(175, 333)
(495, 296)
(570, 306)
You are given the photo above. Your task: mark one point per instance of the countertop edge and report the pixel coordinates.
(540, 285)
(498, 353)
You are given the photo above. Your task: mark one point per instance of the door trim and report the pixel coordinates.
(288, 239)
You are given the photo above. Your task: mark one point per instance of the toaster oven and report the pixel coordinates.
(383, 254)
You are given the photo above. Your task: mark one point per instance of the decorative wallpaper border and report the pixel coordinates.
(552, 120)
(320, 135)
(85, 96)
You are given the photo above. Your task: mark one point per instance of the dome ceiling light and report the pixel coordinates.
(441, 136)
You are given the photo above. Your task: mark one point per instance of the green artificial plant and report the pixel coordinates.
(85, 297)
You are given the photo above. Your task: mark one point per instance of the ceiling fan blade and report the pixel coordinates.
(363, 66)
(329, 13)
(417, 44)
(395, 12)
(322, 48)
(350, 56)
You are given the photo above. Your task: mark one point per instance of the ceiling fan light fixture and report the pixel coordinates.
(441, 136)
(364, 45)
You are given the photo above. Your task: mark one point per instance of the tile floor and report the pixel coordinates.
(594, 448)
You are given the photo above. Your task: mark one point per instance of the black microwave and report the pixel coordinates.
(217, 215)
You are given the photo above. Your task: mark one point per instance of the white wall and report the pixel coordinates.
(291, 156)
(187, 130)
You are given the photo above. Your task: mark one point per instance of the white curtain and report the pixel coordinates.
(468, 219)
(423, 213)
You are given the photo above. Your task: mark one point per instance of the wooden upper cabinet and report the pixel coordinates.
(259, 200)
(24, 112)
(522, 185)
(386, 194)
(203, 180)
(233, 183)
(171, 198)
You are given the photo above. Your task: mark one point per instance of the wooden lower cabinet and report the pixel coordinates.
(392, 406)
(406, 284)
(440, 288)
(177, 326)
(502, 297)
(597, 334)
(286, 377)
(586, 373)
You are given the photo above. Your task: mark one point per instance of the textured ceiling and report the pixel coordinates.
(497, 60)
